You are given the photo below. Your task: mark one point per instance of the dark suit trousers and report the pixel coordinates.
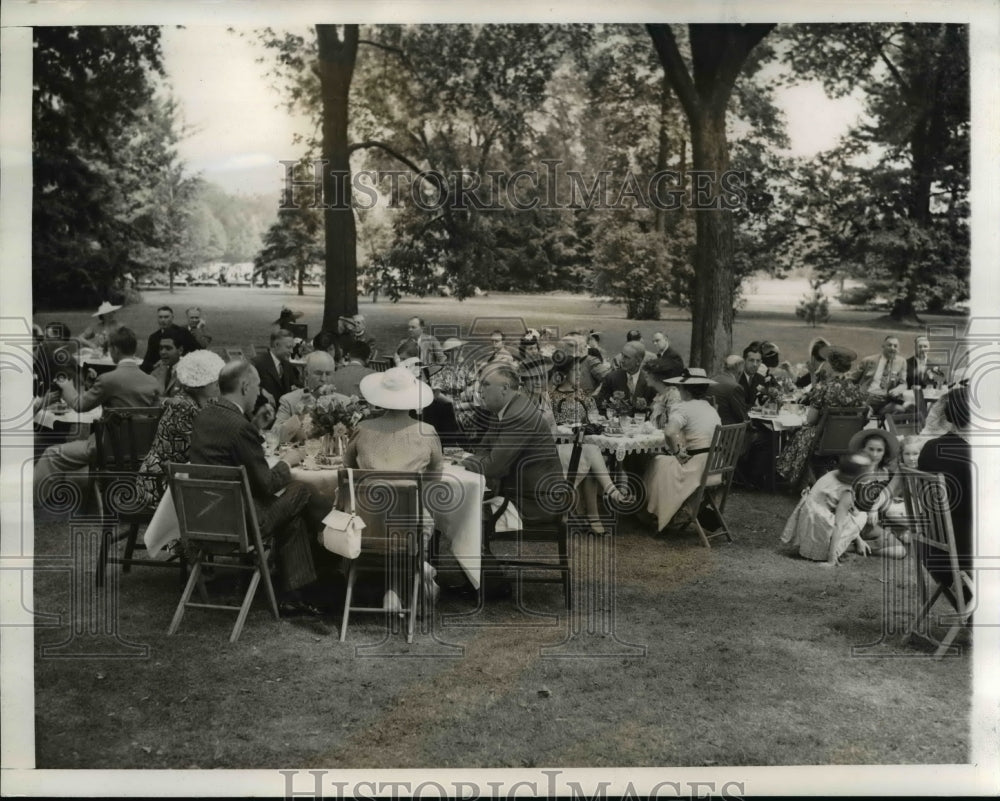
(287, 520)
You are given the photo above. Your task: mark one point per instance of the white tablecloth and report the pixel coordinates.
(455, 503)
(782, 422)
(46, 418)
(621, 446)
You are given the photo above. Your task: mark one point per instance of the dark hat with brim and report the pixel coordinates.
(839, 357)
(691, 377)
(858, 441)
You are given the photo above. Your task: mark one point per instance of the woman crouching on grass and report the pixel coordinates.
(882, 486)
(828, 521)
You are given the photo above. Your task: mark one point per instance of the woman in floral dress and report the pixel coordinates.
(837, 391)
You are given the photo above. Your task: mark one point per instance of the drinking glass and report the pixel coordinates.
(313, 446)
(270, 443)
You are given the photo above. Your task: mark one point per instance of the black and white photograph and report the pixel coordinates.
(479, 402)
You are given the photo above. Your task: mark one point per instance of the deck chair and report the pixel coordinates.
(543, 570)
(391, 505)
(939, 570)
(299, 330)
(836, 427)
(903, 424)
(234, 353)
(122, 438)
(708, 502)
(380, 365)
(218, 525)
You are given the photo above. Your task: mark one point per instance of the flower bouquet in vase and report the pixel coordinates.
(334, 418)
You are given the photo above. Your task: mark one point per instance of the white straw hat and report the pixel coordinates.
(396, 388)
(105, 308)
(693, 375)
(199, 368)
(452, 342)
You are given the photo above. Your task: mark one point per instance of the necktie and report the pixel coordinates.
(884, 383)
(166, 380)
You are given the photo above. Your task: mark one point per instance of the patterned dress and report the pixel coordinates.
(571, 406)
(170, 444)
(838, 391)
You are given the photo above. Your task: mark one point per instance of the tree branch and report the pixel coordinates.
(674, 67)
(372, 143)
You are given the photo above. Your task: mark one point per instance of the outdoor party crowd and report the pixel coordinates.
(507, 407)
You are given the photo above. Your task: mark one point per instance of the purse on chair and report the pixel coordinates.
(342, 530)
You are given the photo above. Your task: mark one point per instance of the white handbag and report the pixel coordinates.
(342, 530)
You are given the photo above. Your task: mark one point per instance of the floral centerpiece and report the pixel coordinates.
(334, 416)
(619, 405)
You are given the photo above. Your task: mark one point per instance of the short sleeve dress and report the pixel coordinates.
(810, 527)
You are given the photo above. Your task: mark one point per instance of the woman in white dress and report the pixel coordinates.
(670, 479)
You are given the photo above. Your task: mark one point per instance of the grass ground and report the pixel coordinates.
(739, 655)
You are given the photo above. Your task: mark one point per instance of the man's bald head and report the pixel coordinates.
(319, 369)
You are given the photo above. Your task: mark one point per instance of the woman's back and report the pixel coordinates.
(393, 443)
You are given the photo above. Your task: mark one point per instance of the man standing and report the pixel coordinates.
(418, 344)
(196, 327)
(663, 350)
(319, 370)
(919, 371)
(223, 434)
(750, 378)
(126, 385)
(163, 372)
(883, 377)
(277, 375)
(629, 380)
(729, 397)
(165, 321)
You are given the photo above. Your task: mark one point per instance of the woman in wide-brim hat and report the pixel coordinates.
(395, 441)
(688, 432)
(96, 336)
(837, 391)
(883, 485)
(198, 374)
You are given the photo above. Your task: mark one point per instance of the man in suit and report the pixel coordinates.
(277, 376)
(355, 367)
(750, 378)
(319, 370)
(166, 327)
(223, 434)
(663, 350)
(883, 377)
(629, 379)
(632, 335)
(951, 456)
(424, 346)
(196, 327)
(729, 397)
(164, 371)
(919, 371)
(126, 385)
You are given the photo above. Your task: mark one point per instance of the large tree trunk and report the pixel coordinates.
(717, 55)
(336, 68)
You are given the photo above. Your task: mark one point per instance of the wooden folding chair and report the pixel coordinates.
(903, 424)
(927, 507)
(122, 438)
(708, 502)
(539, 570)
(234, 353)
(218, 525)
(836, 427)
(391, 505)
(380, 365)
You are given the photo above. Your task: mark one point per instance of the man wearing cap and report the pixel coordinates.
(223, 434)
(883, 377)
(163, 371)
(418, 344)
(96, 336)
(319, 372)
(277, 375)
(124, 386)
(629, 380)
(166, 327)
(728, 395)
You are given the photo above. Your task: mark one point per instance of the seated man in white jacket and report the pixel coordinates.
(288, 422)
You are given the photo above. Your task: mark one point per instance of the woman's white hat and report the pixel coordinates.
(199, 368)
(396, 388)
(693, 375)
(105, 308)
(452, 342)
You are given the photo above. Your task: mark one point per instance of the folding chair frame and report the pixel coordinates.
(240, 546)
(724, 452)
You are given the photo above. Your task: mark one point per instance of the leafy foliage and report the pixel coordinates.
(815, 307)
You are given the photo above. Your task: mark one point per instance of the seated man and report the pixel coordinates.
(288, 421)
(126, 385)
(664, 350)
(883, 377)
(517, 455)
(164, 370)
(419, 345)
(727, 394)
(277, 375)
(354, 367)
(196, 327)
(629, 380)
(166, 328)
(750, 378)
(223, 434)
(920, 372)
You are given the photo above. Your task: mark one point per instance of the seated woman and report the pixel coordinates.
(827, 520)
(198, 375)
(658, 372)
(882, 487)
(669, 480)
(395, 441)
(570, 405)
(817, 370)
(837, 391)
